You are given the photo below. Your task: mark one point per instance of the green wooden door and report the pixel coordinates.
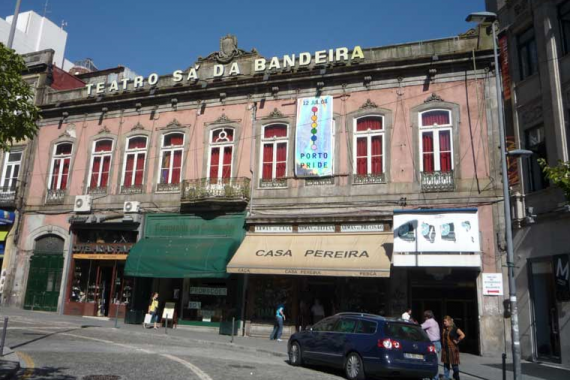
(46, 271)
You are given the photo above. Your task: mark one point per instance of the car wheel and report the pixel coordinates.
(353, 367)
(295, 356)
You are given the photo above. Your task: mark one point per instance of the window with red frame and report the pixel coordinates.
(61, 162)
(135, 160)
(101, 163)
(221, 154)
(436, 145)
(369, 146)
(274, 152)
(171, 158)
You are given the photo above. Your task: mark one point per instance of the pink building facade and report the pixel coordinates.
(177, 165)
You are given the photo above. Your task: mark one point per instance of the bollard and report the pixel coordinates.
(233, 323)
(33, 302)
(4, 331)
(117, 315)
(166, 326)
(504, 366)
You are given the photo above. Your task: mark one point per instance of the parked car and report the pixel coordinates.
(366, 344)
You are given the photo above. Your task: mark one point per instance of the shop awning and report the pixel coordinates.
(356, 255)
(180, 257)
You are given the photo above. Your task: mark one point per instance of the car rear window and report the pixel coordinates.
(365, 327)
(402, 331)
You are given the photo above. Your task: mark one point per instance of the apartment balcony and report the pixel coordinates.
(55, 197)
(102, 190)
(134, 189)
(219, 190)
(168, 188)
(273, 183)
(369, 179)
(8, 196)
(435, 182)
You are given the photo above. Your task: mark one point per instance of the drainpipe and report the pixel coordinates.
(252, 155)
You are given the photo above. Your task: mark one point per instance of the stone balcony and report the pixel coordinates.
(435, 182)
(369, 179)
(8, 196)
(218, 190)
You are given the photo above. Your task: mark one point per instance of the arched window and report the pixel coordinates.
(221, 154)
(100, 163)
(171, 158)
(59, 169)
(274, 152)
(436, 141)
(369, 146)
(134, 162)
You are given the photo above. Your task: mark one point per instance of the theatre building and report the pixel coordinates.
(364, 178)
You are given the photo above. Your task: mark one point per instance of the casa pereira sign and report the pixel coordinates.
(258, 65)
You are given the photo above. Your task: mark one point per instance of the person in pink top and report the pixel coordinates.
(431, 327)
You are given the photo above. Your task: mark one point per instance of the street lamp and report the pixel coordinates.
(489, 17)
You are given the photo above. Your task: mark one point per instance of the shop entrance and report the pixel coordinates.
(44, 278)
(545, 311)
(454, 294)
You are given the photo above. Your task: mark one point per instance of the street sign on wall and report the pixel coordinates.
(492, 284)
(562, 277)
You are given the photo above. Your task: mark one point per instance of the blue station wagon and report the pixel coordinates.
(366, 344)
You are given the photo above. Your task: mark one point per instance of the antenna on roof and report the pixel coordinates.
(46, 7)
(63, 24)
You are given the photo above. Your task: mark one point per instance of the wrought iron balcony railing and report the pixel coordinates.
(272, 183)
(434, 182)
(234, 189)
(134, 189)
(8, 195)
(55, 197)
(369, 179)
(97, 190)
(168, 187)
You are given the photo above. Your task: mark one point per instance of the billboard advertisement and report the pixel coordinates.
(436, 232)
(314, 138)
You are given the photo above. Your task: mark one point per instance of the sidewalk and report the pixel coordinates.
(9, 364)
(476, 366)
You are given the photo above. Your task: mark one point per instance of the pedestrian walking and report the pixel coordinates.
(431, 327)
(407, 314)
(317, 311)
(153, 309)
(450, 350)
(278, 326)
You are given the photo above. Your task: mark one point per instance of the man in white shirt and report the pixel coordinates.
(407, 314)
(318, 311)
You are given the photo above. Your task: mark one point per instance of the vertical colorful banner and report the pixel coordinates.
(314, 138)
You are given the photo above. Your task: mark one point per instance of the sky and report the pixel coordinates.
(166, 35)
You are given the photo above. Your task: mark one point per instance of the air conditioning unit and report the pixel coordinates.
(131, 207)
(82, 203)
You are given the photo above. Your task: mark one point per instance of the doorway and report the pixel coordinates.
(545, 311)
(44, 277)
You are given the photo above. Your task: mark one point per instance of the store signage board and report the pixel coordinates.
(207, 315)
(562, 277)
(492, 284)
(316, 228)
(273, 229)
(209, 291)
(362, 228)
(168, 311)
(111, 248)
(314, 155)
(194, 305)
(91, 256)
(436, 232)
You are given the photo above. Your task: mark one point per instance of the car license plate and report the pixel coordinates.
(414, 356)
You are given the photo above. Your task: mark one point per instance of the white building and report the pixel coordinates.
(35, 33)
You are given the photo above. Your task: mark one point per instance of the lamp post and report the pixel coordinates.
(489, 17)
(13, 26)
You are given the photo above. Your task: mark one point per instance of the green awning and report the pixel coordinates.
(179, 257)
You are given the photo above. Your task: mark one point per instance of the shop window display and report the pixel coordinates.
(211, 301)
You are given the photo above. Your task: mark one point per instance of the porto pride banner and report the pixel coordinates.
(313, 140)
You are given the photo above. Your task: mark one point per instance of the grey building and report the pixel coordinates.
(535, 42)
